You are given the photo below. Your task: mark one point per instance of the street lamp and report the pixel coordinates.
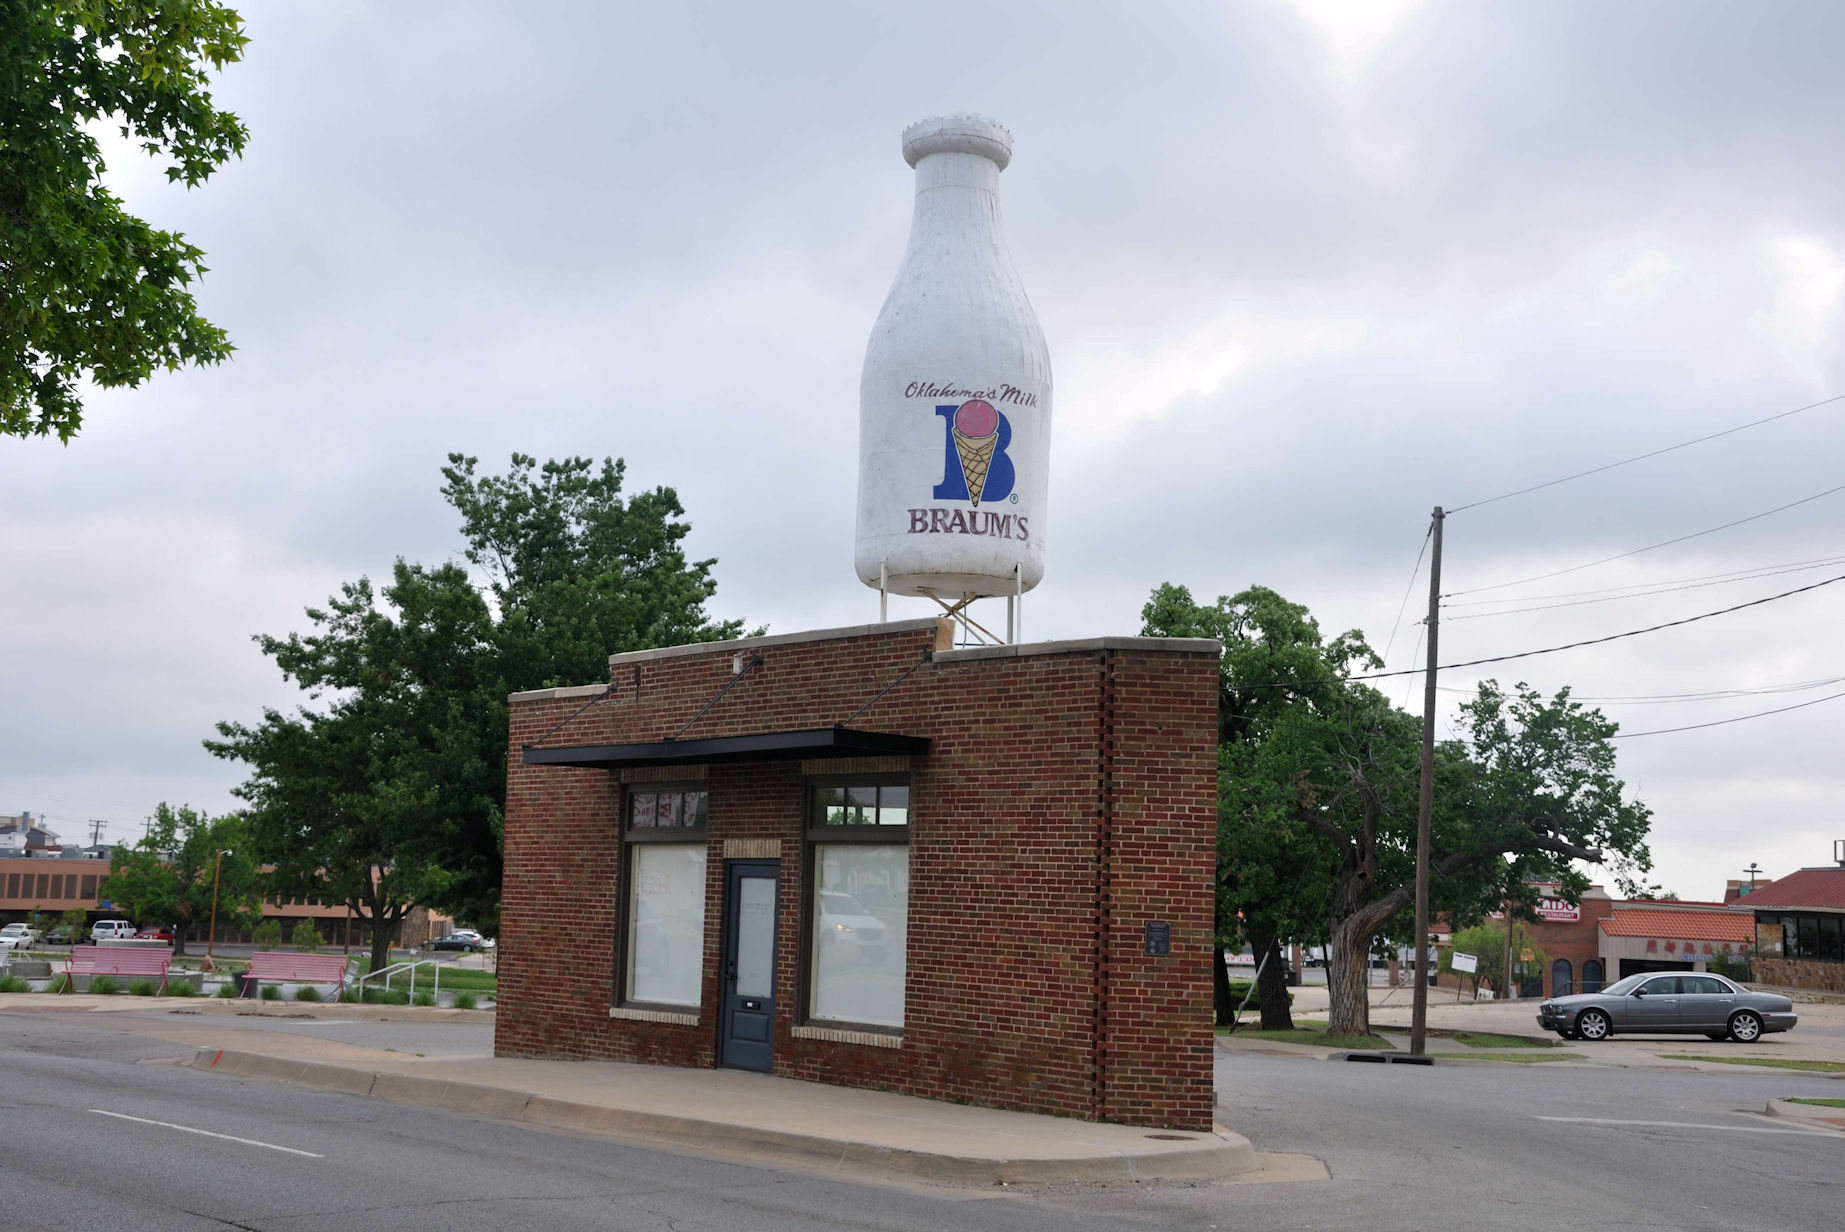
(211, 936)
(1752, 870)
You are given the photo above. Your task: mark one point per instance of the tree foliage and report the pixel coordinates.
(166, 877)
(1319, 784)
(1486, 942)
(392, 792)
(87, 289)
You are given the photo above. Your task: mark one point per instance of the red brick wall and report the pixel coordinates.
(1067, 799)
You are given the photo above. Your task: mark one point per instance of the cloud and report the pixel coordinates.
(1306, 270)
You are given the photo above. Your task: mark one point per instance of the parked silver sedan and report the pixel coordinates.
(1658, 1004)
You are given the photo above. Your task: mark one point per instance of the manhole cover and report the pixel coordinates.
(1171, 1137)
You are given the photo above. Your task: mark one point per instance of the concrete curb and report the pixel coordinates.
(1811, 1116)
(1225, 1155)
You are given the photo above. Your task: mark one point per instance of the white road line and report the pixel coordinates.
(270, 1146)
(1735, 1129)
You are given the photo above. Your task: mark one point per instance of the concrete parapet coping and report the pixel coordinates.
(767, 1119)
(1154, 645)
(775, 639)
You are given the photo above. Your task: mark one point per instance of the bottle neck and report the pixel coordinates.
(956, 192)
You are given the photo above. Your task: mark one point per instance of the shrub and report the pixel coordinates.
(141, 988)
(386, 996)
(60, 984)
(424, 998)
(305, 938)
(182, 988)
(307, 993)
(1736, 967)
(103, 985)
(271, 992)
(228, 991)
(267, 935)
(466, 1001)
(13, 983)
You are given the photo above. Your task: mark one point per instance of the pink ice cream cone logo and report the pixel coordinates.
(976, 431)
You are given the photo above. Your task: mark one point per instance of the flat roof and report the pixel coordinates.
(762, 746)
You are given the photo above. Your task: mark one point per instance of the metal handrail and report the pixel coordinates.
(410, 965)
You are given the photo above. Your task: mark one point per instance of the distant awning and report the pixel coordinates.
(767, 746)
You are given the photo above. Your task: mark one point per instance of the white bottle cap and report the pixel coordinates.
(962, 134)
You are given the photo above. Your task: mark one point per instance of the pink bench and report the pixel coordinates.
(131, 962)
(269, 967)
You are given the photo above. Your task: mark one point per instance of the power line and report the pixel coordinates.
(1676, 699)
(1401, 607)
(1650, 547)
(1641, 457)
(1526, 654)
(1764, 570)
(1741, 718)
(1638, 594)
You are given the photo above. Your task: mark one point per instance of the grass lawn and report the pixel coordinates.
(1486, 1039)
(1518, 1058)
(1823, 1067)
(1308, 1032)
(1824, 1103)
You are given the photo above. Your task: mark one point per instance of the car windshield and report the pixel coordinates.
(1620, 988)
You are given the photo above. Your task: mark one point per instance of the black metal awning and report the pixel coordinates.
(766, 746)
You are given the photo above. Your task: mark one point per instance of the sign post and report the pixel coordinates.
(1464, 964)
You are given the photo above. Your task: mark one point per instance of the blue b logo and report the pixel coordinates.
(967, 452)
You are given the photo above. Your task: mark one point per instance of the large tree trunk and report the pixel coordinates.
(1347, 990)
(1222, 1006)
(384, 931)
(1272, 984)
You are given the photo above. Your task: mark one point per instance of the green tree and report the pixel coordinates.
(1271, 742)
(1323, 795)
(87, 289)
(392, 793)
(305, 937)
(76, 923)
(1486, 942)
(166, 877)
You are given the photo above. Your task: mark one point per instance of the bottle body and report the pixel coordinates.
(955, 394)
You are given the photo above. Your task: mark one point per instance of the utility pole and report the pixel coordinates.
(1419, 1006)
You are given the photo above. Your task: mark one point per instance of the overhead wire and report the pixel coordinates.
(1741, 718)
(1639, 594)
(1788, 566)
(1526, 654)
(1648, 548)
(1675, 699)
(1653, 453)
(1414, 571)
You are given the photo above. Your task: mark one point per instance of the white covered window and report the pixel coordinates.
(664, 937)
(858, 921)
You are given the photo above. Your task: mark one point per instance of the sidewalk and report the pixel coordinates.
(727, 1112)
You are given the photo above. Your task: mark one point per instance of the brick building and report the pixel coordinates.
(1799, 924)
(858, 856)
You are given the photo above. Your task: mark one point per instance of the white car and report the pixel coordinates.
(111, 930)
(17, 937)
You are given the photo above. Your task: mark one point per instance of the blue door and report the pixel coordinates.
(746, 1025)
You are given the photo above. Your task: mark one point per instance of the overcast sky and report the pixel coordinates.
(1306, 269)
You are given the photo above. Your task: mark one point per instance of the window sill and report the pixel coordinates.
(633, 1013)
(845, 1035)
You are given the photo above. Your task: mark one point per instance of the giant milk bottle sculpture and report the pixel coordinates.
(955, 396)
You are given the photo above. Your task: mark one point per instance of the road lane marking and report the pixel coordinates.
(1735, 1129)
(270, 1146)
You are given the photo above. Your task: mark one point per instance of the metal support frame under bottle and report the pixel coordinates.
(1015, 609)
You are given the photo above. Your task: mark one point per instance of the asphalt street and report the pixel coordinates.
(102, 1132)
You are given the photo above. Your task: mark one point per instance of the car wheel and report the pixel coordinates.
(1745, 1027)
(1593, 1025)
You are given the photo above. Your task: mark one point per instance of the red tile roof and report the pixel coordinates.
(1822, 888)
(1679, 925)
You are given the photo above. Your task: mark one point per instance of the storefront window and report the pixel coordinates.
(664, 946)
(858, 921)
